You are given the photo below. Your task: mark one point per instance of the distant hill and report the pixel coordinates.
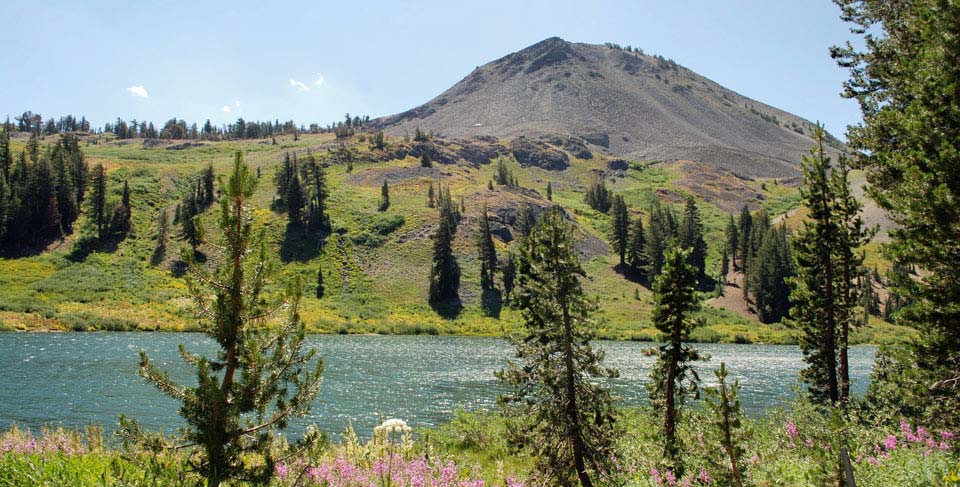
(623, 103)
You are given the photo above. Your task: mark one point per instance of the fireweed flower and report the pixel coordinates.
(281, 470)
(705, 477)
(890, 443)
(792, 430)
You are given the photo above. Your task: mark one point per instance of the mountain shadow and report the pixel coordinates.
(300, 244)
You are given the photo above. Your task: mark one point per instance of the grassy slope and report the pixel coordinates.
(369, 289)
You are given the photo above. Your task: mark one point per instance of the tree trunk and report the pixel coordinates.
(579, 449)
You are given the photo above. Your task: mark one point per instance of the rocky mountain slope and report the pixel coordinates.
(622, 103)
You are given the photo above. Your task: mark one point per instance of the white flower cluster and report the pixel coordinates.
(392, 426)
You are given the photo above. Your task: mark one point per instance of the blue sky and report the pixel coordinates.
(314, 60)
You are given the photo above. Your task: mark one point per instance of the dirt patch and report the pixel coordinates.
(717, 186)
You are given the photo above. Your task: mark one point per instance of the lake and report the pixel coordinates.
(73, 379)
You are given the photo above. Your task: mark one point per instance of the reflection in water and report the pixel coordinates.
(74, 379)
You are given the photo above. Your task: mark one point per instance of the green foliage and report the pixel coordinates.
(768, 274)
(723, 402)
(620, 234)
(690, 236)
(905, 79)
(384, 197)
(826, 293)
(673, 379)
(598, 196)
(261, 376)
(486, 252)
(445, 271)
(568, 417)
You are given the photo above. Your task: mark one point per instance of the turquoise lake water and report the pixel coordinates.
(74, 379)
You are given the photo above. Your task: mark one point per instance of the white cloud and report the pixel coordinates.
(138, 90)
(299, 85)
(320, 80)
(237, 104)
(226, 109)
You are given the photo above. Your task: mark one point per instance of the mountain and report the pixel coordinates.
(622, 102)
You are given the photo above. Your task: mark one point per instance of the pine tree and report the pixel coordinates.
(487, 252)
(814, 291)
(723, 402)
(637, 256)
(620, 234)
(549, 191)
(598, 196)
(261, 377)
(445, 271)
(384, 197)
(732, 235)
(745, 227)
(430, 197)
(905, 79)
(295, 201)
(96, 208)
(208, 189)
(691, 237)
(569, 416)
(658, 236)
(425, 160)
(160, 235)
(504, 177)
(526, 219)
(673, 378)
(767, 279)
(316, 182)
(509, 272)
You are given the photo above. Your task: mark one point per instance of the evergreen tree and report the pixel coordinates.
(724, 268)
(905, 79)
(637, 255)
(509, 267)
(723, 402)
(745, 227)
(691, 237)
(430, 196)
(295, 201)
(282, 178)
(384, 197)
(425, 160)
(815, 289)
(732, 235)
(569, 416)
(526, 219)
(620, 233)
(316, 183)
(96, 209)
(487, 252)
(767, 279)
(659, 235)
(673, 378)
(549, 191)
(598, 196)
(160, 235)
(445, 271)
(208, 189)
(504, 176)
(261, 376)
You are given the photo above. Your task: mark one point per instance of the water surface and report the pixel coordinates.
(74, 379)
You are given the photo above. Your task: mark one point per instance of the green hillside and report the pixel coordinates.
(375, 264)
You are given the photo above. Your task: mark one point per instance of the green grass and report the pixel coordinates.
(376, 268)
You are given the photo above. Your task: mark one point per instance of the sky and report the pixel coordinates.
(313, 61)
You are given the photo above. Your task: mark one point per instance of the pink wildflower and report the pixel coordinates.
(792, 430)
(890, 443)
(705, 477)
(873, 461)
(655, 475)
(280, 469)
